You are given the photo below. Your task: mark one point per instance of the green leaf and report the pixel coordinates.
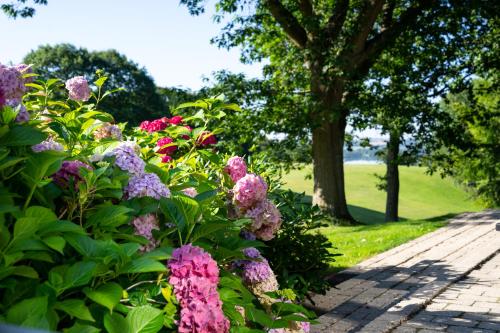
(61, 227)
(25, 271)
(55, 242)
(108, 295)
(79, 274)
(30, 312)
(110, 216)
(208, 228)
(81, 328)
(100, 81)
(11, 161)
(181, 210)
(75, 308)
(145, 319)
(42, 213)
(115, 323)
(143, 265)
(162, 253)
(23, 136)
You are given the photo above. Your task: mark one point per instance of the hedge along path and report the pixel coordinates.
(389, 288)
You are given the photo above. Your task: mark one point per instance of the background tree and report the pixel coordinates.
(138, 101)
(322, 49)
(21, 8)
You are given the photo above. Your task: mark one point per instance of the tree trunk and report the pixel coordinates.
(328, 163)
(392, 177)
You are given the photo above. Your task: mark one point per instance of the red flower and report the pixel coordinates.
(154, 125)
(176, 120)
(206, 139)
(185, 136)
(166, 159)
(165, 150)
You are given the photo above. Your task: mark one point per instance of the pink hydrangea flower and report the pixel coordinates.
(166, 150)
(194, 276)
(78, 88)
(236, 168)
(154, 125)
(249, 190)
(108, 131)
(175, 120)
(144, 226)
(69, 171)
(266, 220)
(190, 192)
(146, 185)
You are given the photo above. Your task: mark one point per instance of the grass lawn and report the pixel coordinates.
(424, 205)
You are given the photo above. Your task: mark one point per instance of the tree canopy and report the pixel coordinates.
(138, 101)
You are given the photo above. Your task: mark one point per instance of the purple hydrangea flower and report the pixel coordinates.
(144, 226)
(127, 159)
(23, 115)
(70, 170)
(25, 69)
(12, 83)
(249, 190)
(146, 185)
(48, 144)
(78, 89)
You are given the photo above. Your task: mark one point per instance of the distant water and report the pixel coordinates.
(372, 162)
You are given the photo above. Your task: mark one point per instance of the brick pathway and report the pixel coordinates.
(390, 288)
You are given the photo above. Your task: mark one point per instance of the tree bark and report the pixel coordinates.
(392, 177)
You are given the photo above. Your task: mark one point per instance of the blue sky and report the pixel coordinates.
(158, 34)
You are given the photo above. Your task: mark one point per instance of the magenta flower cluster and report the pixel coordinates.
(69, 172)
(236, 168)
(48, 144)
(154, 125)
(78, 88)
(144, 226)
(146, 185)
(127, 159)
(194, 276)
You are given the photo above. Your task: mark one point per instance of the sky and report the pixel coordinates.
(160, 35)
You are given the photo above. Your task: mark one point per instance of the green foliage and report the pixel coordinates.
(19, 9)
(137, 101)
(470, 148)
(70, 258)
(300, 255)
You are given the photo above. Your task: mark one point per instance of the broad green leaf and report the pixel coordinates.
(110, 216)
(145, 319)
(208, 228)
(115, 323)
(162, 253)
(55, 242)
(23, 136)
(25, 271)
(11, 161)
(42, 213)
(75, 308)
(143, 265)
(108, 295)
(79, 274)
(30, 312)
(81, 328)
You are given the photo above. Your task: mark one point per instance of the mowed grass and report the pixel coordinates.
(425, 203)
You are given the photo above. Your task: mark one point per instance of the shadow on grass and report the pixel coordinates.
(371, 217)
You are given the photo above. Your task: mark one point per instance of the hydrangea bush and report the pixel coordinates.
(116, 229)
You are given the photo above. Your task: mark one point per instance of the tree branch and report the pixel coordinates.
(365, 21)
(377, 44)
(306, 8)
(336, 21)
(288, 22)
(388, 14)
